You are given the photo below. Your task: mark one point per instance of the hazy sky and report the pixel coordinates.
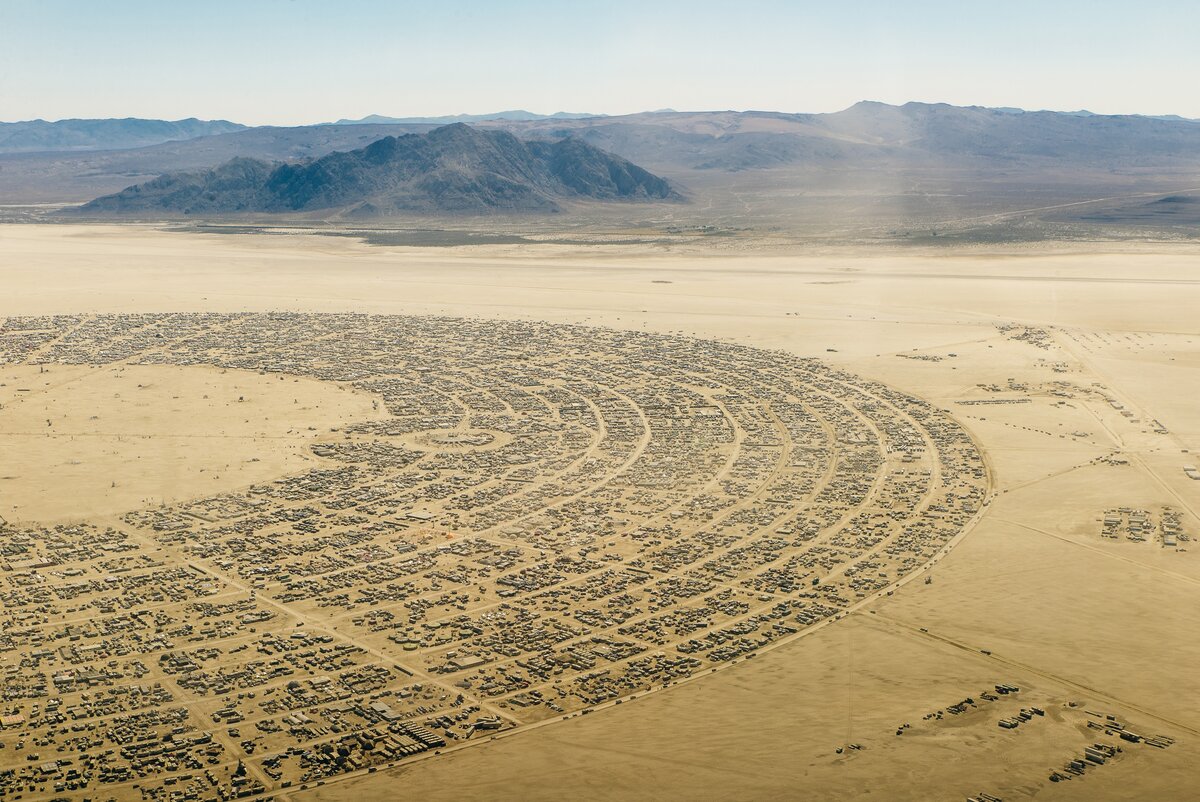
(301, 61)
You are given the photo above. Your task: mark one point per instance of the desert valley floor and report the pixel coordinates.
(847, 524)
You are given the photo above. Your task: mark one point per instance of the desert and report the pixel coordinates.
(1032, 354)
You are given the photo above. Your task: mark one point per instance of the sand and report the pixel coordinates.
(1033, 596)
(80, 441)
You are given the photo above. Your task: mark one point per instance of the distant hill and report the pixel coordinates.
(978, 136)
(455, 168)
(1086, 113)
(870, 134)
(76, 135)
(514, 115)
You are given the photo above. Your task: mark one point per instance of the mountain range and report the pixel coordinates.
(514, 114)
(82, 135)
(454, 168)
(882, 166)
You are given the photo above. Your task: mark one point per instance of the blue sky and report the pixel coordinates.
(300, 61)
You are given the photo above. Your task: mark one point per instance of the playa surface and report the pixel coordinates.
(1074, 367)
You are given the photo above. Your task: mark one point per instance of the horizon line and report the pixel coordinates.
(565, 115)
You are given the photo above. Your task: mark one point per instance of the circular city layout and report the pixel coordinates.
(503, 523)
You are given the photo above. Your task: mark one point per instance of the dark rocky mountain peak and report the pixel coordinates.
(454, 168)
